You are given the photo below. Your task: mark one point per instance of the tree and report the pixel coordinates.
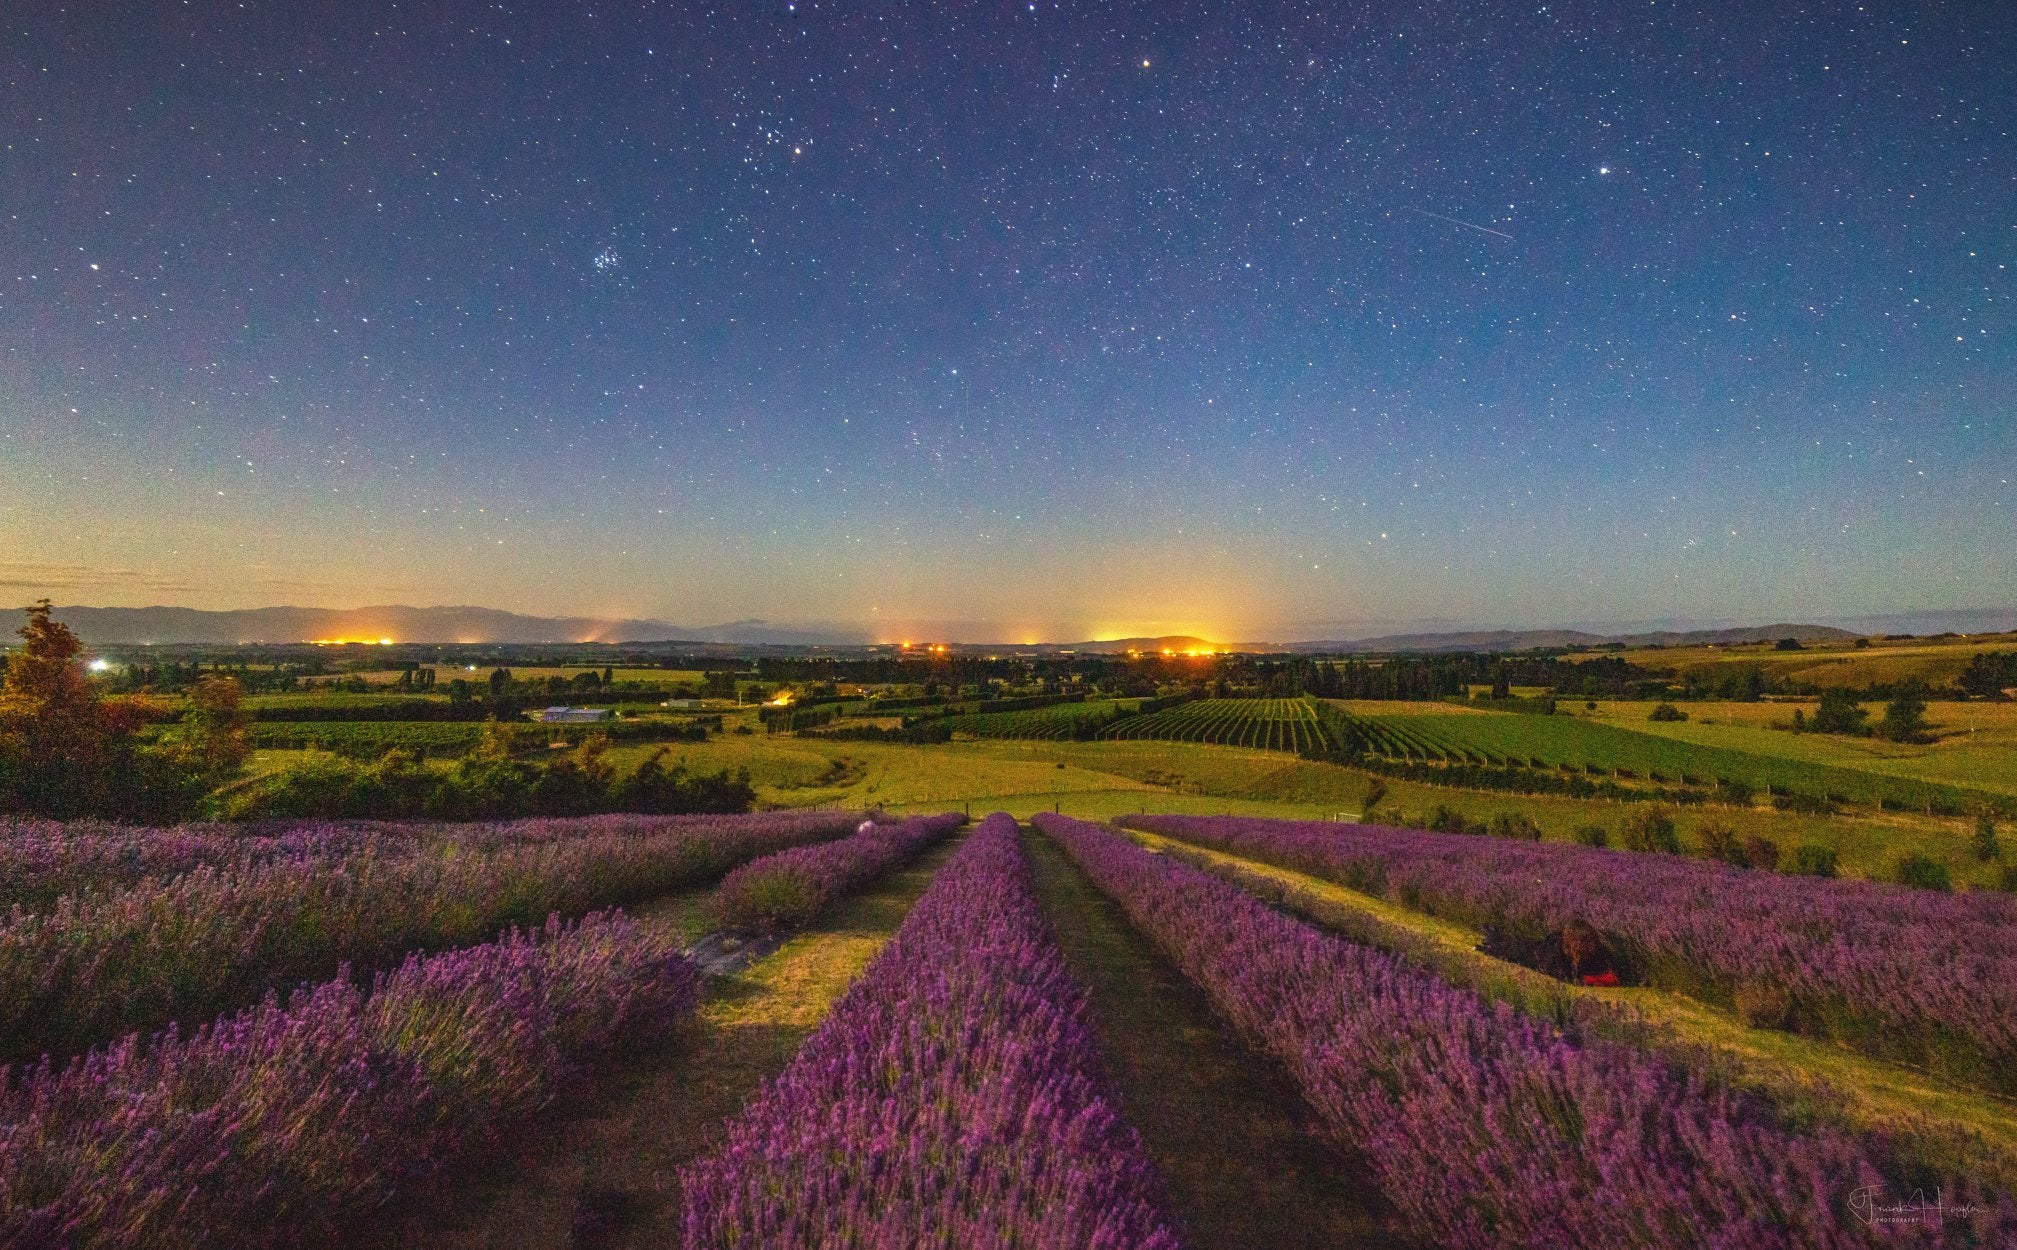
(64, 750)
(500, 681)
(1839, 713)
(1984, 844)
(1989, 674)
(212, 737)
(1905, 715)
(1651, 829)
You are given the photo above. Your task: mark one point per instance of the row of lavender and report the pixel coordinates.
(953, 1097)
(1487, 1127)
(788, 889)
(288, 1124)
(43, 860)
(1906, 974)
(95, 967)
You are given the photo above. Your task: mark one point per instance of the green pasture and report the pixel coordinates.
(1599, 748)
(1058, 721)
(1974, 744)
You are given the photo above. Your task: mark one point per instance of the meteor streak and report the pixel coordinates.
(1465, 224)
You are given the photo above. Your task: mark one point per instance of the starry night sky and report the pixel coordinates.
(1007, 320)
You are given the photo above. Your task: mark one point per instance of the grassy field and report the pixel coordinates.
(1097, 780)
(341, 699)
(1934, 661)
(1595, 746)
(1059, 721)
(1108, 778)
(1975, 744)
(1611, 744)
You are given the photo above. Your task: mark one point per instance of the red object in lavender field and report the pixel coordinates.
(1489, 1128)
(1601, 978)
(1885, 968)
(953, 1097)
(291, 1122)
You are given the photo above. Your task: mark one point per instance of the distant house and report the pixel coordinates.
(574, 715)
(684, 703)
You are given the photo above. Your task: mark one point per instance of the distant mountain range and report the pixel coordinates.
(1527, 639)
(167, 626)
(403, 624)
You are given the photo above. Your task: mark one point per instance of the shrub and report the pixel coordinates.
(1592, 835)
(1806, 804)
(1735, 793)
(1982, 844)
(1762, 853)
(1840, 713)
(1667, 712)
(1916, 869)
(1720, 842)
(1811, 859)
(1516, 825)
(1652, 829)
(1763, 1005)
(1445, 819)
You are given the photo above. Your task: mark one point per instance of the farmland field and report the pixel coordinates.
(1443, 733)
(1933, 661)
(1555, 741)
(1059, 721)
(1975, 744)
(1266, 724)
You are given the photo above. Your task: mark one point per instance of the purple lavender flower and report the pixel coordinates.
(1900, 973)
(1489, 1128)
(954, 1097)
(290, 1122)
(232, 926)
(786, 890)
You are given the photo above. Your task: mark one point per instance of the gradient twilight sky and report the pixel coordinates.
(1052, 319)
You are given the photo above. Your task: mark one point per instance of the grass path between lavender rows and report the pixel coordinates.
(1230, 1136)
(1965, 1130)
(601, 1171)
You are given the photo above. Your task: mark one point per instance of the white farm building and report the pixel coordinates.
(574, 715)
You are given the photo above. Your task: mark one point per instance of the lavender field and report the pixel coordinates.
(287, 1035)
(1919, 976)
(248, 918)
(953, 1097)
(1489, 1128)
